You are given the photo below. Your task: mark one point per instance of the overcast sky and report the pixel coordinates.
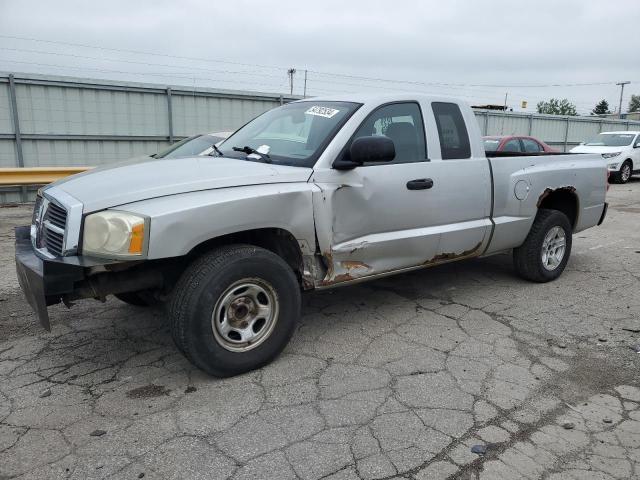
(474, 50)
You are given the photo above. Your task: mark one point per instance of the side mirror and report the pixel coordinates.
(368, 149)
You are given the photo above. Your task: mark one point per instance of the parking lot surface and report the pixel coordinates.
(461, 371)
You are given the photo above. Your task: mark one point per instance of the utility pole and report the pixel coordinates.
(504, 113)
(291, 72)
(622, 84)
(305, 84)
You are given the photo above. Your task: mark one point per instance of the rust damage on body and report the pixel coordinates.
(449, 256)
(352, 269)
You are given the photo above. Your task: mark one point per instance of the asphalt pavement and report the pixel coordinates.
(461, 371)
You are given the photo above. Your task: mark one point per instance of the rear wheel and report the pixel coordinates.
(234, 309)
(545, 252)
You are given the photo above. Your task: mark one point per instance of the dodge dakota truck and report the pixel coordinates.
(314, 194)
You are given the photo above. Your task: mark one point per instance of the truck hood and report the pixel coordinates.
(143, 179)
(596, 149)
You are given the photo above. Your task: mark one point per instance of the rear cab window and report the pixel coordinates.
(452, 131)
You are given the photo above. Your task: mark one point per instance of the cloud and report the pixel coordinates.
(496, 42)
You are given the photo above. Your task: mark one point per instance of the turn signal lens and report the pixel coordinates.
(137, 239)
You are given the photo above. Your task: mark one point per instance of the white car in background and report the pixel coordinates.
(621, 149)
(201, 144)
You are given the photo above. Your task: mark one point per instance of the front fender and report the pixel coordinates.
(181, 222)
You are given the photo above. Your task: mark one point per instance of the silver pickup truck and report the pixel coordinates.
(315, 194)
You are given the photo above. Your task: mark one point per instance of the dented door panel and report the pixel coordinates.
(368, 216)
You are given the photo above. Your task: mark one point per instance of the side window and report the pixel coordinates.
(402, 123)
(454, 139)
(531, 146)
(512, 145)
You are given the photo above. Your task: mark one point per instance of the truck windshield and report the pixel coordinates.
(611, 140)
(293, 134)
(189, 147)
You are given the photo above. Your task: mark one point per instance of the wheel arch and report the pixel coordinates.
(277, 240)
(563, 199)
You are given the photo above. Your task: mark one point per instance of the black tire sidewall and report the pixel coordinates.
(204, 349)
(620, 176)
(557, 219)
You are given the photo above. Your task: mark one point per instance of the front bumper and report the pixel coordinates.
(42, 281)
(46, 282)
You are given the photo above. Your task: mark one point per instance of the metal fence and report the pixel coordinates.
(560, 132)
(63, 121)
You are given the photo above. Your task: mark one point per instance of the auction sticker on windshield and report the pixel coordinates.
(322, 111)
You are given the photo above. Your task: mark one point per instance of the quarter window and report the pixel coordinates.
(402, 123)
(454, 139)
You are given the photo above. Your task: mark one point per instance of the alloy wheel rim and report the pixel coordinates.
(554, 246)
(245, 315)
(626, 172)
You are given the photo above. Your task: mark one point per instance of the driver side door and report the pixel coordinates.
(375, 218)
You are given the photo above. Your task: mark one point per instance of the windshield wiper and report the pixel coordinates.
(248, 150)
(217, 150)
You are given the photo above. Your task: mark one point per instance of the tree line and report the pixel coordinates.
(563, 106)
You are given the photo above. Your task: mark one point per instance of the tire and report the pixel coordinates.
(624, 174)
(529, 259)
(222, 299)
(139, 299)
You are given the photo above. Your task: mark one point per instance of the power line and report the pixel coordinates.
(359, 77)
(137, 52)
(180, 75)
(475, 89)
(136, 62)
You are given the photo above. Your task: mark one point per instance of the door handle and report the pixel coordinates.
(420, 184)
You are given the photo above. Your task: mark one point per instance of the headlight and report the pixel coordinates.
(114, 234)
(610, 155)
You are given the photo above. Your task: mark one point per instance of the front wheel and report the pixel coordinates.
(624, 174)
(545, 252)
(234, 309)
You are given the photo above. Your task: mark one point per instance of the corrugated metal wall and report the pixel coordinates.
(65, 121)
(562, 133)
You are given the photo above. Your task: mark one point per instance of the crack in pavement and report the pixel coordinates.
(398, 378)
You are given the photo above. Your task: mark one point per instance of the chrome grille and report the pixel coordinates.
(49, 223)
(56, 215)
(36, 210)
(53, 241)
